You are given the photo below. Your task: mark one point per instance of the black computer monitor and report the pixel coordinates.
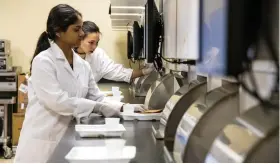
(227, 28)
(142, 54)
(152, 30)
(137, 40)
(129, 45)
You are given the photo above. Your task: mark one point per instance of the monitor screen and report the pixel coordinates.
(129, 45)
(152, 30)
(137, 40)
(213, 37)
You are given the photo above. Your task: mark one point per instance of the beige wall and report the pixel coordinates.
(22, 21)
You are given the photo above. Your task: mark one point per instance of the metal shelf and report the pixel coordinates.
(127, 16)
(127, 9)
(128, 2)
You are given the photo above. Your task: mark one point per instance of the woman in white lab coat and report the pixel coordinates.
(61, 86)
(102, 66)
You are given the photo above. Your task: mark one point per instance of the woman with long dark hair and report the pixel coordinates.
(61, 86)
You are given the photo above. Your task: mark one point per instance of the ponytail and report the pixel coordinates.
(60, 18)
(42, 45)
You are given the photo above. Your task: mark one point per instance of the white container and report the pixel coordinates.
(112, 122)
(100, 155)
(140, 117)
(128, 108)
(115, 146)
(99, 130)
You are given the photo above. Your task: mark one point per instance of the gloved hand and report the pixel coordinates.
(148, 69)
(137, 107)
(107, 109)
(86, 119)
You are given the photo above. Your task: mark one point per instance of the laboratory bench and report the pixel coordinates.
(138, 134)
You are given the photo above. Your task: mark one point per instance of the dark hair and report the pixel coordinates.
(90, 27)
(60, 18)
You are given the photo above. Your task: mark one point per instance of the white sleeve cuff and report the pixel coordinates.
(84, 108)
(128, 72)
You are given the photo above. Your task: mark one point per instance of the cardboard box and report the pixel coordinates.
(22, 94)
(22, 79)
(17, 125)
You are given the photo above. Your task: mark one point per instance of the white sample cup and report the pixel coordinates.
(128, 108)
(115, 89)
(112, 122)
(116, 93)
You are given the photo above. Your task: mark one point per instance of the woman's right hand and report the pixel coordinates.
(107, 110)
(149, 68)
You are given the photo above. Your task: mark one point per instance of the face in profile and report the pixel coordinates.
(74, 33)
(90, 42)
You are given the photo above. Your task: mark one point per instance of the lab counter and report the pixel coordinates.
(138, 133)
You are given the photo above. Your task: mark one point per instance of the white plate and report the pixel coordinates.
(99, 130)
(100, 155)
(141, 117)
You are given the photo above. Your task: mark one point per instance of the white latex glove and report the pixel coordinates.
(137, 107)
(148, 69)
(107, 109)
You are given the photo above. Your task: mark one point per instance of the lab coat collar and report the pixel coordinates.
(89, 57)
(77, 61)
(57, 51)
(78, 64)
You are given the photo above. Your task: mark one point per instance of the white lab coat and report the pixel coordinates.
(104, 67)
(56, 93)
